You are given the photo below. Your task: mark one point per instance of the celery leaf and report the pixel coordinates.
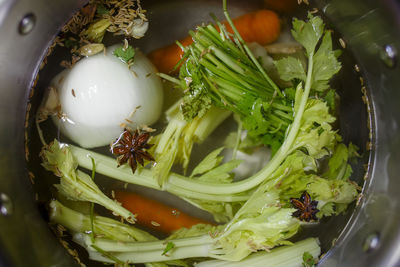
(338, 163)
(74, 184)
(221, 173)
(209, 162)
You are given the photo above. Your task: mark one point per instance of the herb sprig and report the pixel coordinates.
(219, 68)
(126, 54)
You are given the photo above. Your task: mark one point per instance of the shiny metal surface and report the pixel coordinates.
(27, 24)
(24, 237)
(369, 27)
(371, 30)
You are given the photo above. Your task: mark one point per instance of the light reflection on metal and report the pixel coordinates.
(27, 24)
(5, 205)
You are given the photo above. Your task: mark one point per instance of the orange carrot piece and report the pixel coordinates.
(262, 26)
(155, 215)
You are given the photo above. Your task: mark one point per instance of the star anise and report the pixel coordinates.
(131, 147)
(306, 208)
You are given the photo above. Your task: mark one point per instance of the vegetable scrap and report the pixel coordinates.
(219, 75)
(155, 215)
(222, 75)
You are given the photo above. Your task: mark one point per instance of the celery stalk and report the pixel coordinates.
(103, 226)
(142, 252)
(286, 256)
(144, 177)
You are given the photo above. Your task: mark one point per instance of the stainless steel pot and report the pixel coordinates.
(370, 236)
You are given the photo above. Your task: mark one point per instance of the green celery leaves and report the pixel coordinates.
(74, 184)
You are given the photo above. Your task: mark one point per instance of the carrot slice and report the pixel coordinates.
(155, 215)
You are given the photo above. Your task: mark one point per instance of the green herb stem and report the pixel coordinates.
(282, 107)
(283, 115)
(248, 51)
(169, 78)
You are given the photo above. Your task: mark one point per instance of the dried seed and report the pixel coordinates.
(91, 49)
(342, 43)
(155, 223)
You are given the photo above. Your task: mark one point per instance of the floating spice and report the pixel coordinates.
(306, 208)
(131, 148)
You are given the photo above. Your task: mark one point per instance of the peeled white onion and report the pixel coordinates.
(100, 95)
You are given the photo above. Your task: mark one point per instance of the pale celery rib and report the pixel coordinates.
(144, 177)
(287, 256)
(147, 251)
(103, 226)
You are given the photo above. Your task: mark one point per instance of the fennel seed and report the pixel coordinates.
(155, 223)
(342, 43)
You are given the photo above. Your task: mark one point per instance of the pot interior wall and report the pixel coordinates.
(169, 21)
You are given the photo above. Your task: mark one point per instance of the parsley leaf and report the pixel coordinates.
(169, 247)
(125, 55)
(308, 33)
(325, 64)
(195, 103)
(196, 100)
(290, 68)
